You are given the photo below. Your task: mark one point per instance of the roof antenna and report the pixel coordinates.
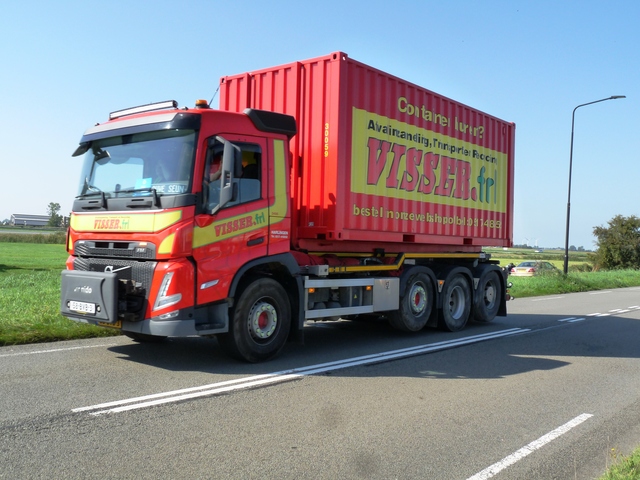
(214, 95)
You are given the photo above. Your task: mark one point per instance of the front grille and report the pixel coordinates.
(142, 251)
(139, 272)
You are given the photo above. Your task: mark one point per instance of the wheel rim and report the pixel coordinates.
(418, 298)
(489, 295)
(263, 320)
(456, 303)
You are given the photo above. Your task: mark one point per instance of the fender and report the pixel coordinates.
(445, 272)
(408, 272)
(292, 268)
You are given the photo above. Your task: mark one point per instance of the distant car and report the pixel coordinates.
(529, 269)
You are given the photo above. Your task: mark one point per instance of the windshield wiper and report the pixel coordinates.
(103, 197)
(152, 190)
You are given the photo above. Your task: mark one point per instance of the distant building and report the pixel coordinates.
(24, 220)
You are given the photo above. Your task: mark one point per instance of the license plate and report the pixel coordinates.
(116, 324)
(82, 307)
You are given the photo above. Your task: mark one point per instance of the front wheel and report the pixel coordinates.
(260, 322)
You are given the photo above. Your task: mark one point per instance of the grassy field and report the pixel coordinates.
(30, 296)
(578, 261)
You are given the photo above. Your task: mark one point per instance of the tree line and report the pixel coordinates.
(618, 244)
(55, 219)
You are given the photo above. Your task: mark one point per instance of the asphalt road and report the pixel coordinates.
(550, 392)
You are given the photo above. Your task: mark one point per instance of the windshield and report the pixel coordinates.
(137, 164)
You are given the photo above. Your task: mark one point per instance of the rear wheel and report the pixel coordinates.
(489, 297)
(416, 303)
(259, 322)
(456, 304)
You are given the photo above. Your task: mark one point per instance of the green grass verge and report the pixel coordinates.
(30, 296)
(553, 284)
(43, 236)
(624, 468)
(579, 279)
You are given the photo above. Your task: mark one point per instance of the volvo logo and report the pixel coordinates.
(110, 268)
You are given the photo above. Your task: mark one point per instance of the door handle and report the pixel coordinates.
(255, 241)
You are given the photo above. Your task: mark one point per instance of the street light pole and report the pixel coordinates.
(573, 118)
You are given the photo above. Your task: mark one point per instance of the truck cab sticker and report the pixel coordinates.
(240, 224)
(143, 222)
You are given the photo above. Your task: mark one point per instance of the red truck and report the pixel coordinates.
(321, 189)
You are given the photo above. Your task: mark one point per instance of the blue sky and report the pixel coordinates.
(65, 65)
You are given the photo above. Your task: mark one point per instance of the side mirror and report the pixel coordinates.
(231, 159)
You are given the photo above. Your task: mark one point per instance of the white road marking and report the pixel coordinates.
(600, 292)
(55, 350)
(530, 448)
(544, 299)
(571, 319)
(283, 376)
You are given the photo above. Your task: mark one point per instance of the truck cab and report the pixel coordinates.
(171, 205)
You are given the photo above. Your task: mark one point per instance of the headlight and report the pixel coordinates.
(164, 299)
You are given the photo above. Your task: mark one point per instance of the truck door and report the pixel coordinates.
(228, 236)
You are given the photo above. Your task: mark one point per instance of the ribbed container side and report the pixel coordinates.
(381, 160)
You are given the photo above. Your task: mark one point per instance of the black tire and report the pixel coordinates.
(456, 304)
(144, 337)
(489, 297)
(416, 303)
(259, 322)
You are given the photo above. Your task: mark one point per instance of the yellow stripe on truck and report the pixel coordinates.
(121, 222)
(229, 227)
(167, 244)
(281, 203)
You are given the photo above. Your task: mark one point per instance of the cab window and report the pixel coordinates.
(247, 181)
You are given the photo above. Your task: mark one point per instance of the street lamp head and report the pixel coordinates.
(615, 97)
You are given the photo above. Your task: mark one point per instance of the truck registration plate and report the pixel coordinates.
(82, 307)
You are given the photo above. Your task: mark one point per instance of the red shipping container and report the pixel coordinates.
(379, 162)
